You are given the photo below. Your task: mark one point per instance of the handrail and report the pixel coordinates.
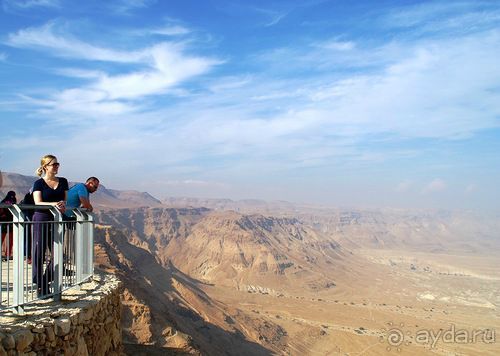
(69, 245)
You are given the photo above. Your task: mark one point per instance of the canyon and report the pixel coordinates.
(223, 277)
(226, 282)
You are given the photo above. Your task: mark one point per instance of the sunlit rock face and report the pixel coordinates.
(207, 280)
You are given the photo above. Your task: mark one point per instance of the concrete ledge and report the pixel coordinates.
(84, 322)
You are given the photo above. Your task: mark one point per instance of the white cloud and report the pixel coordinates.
(404, 186)
(170, 67)
(72, 104)
(311, 121)
(3, 56)
(320, 121)
(170, 30)
(80, 73)
(337, 45)
(28, 4)
(445, 16)
(230, 83)
(159, 68)
(125, 6)
(274, 16)
(46, 38)
(435, 89)
(437, 185)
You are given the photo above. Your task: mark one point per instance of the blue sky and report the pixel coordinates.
(368, 104)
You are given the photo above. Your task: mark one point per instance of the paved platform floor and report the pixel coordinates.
(7, 279)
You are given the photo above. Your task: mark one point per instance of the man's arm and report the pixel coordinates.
(85, 203)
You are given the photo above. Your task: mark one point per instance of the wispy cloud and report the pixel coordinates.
(273, 17)
(438, 17)
(46, 38)
(428, 89)
(403, 98)
(229, 83)
(169, 67)
(125, 7)
(28, 4)
(3, 56)
(170, 30)
(437, 185)
(159, 68)
(336, 45)
(79, 73)
(276, 18)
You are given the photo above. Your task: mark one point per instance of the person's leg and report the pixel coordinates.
(69, 247)
(28, 243)
(42, 241)
(10, 244)
(48, 276)
(4, 249)
(38, 251)
(6, 241)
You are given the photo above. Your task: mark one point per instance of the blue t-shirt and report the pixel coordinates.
(76, 192)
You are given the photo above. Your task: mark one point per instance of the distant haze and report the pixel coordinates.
(386, 104)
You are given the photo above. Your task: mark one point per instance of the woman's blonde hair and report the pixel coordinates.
(43, 162)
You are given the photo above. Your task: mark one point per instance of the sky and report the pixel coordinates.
(340, 103)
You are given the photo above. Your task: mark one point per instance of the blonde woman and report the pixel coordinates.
(48, 190)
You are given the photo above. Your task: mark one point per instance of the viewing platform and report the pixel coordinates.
(41, 259)
(51, 300)
(86, 321)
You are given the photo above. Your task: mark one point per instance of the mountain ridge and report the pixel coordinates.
(287, 279)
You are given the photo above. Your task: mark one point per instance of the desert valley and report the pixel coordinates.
(222, 277)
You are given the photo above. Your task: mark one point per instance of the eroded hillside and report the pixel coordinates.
(229, 283)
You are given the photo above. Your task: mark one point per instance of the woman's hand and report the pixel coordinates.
(61, 205)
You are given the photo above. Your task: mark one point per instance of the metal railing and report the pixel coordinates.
(41, 258)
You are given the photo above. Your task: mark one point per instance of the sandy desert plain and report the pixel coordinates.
(402, 303)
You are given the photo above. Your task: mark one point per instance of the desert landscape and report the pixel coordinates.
(279, 283)
(276, 177)
(272, 278)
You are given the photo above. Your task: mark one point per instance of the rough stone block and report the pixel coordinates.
(51, 336)
(8, 342)
(23, 339)
(62, 326)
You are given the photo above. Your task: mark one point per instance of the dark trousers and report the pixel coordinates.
(42, 243)
(28, 237)
(7, 240)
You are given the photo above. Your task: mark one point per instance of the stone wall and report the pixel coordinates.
(84, 322)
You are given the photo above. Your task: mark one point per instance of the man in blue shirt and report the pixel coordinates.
(78, 195)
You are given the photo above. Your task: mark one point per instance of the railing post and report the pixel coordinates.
(80, 217)
(58, 233)
(90, 218)
(18, 258)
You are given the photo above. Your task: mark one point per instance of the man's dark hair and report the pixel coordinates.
(90, 179)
